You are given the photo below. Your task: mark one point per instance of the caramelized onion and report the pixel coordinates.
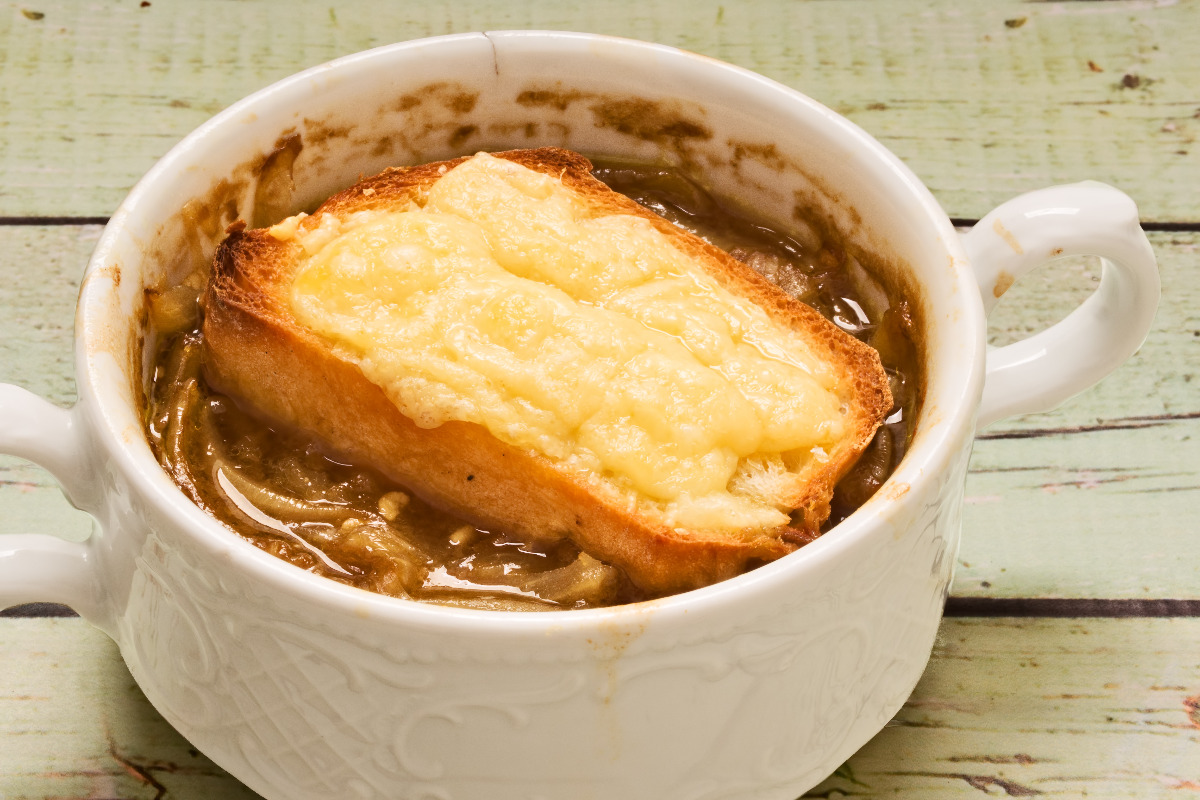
(278, 505)
(174, 310)
(872, 469)
(351, 524)
(583, 579)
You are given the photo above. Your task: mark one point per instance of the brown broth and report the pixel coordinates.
(281, 492)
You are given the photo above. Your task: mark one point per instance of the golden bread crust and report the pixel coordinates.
(257, 352)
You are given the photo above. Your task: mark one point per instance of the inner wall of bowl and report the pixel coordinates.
(290, 146)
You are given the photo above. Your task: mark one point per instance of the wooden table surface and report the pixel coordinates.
(1069, 661)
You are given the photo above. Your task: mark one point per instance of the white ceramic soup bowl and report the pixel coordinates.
(756, 687)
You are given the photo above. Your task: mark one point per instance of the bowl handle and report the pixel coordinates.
(39, 567)
(1089, 218)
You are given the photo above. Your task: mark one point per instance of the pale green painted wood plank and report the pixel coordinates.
(1062, 708)
(1160, 381)
(1103, 502)
(92, 94)
(1104, 512)
(1046, 708)
(74, 725)
(40, 270)
(30, 502)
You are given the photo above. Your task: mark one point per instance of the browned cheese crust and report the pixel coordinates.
(258, 353)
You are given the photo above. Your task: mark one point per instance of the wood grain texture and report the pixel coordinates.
(984, 99)
(40, 269)
(1095, 499)
(1016, 708)
(1109, 513)
(1157, 386)
(1043, 708)
(74, 725)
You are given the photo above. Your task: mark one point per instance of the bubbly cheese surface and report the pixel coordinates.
(499, 298)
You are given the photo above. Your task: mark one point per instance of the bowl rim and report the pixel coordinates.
(929, 455)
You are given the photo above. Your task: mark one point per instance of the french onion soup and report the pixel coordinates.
(498, 382)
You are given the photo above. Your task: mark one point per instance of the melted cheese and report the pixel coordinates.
(501, 299)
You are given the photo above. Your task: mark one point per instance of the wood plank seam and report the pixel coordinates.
(30, 221)
(982, 607)
(1149, 226)
(1070, 608)
(1120, 424)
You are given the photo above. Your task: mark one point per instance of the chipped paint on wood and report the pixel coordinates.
(1043, 708)
(981, 110)
(1158, 385)
(1058, 708)
(74, 725)
(1051, 499)
(983, 100)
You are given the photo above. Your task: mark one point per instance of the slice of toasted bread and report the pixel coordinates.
(283, 334)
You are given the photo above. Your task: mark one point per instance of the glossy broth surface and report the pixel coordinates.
(281, 491)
